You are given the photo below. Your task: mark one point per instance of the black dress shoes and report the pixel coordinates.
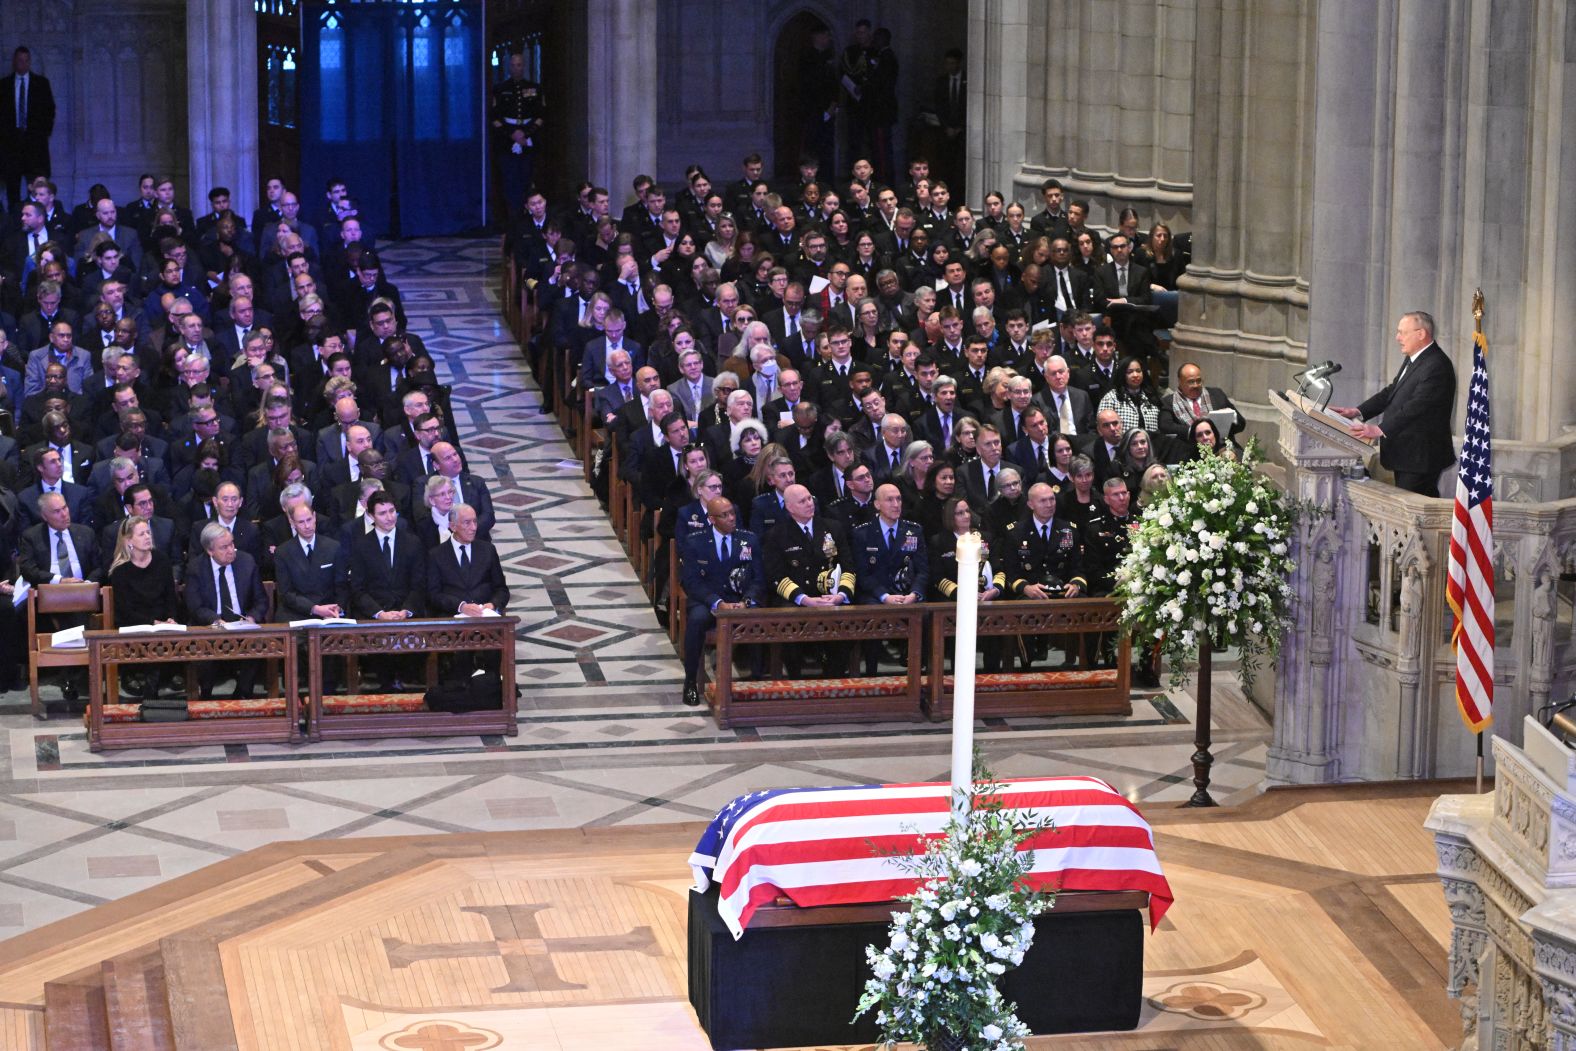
(692, 695)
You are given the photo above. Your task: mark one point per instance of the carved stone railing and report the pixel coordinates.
(1365, 687)
(1507, 861)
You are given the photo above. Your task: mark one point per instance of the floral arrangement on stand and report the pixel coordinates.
(970, 921)
(1209, 564)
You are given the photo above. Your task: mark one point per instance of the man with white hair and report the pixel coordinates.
(886, 456)
(763, 368)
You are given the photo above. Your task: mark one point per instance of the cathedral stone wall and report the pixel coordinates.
(1337, 163)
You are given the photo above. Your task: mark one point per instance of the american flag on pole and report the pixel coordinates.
(1471, 587)
(819, 846)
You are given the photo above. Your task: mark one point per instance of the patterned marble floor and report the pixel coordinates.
(603, 740)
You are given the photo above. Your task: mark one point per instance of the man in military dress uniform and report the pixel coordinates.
(809, 563)
(721, 569)
(891, 561)
(1106, 539)
(517, 119)
(1043, 555)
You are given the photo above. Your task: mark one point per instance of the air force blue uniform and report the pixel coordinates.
(890, 567)
(709, 579)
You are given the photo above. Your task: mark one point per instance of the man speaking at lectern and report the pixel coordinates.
(1414, 440)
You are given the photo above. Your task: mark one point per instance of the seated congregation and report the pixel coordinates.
(800, 396)
(214, 421)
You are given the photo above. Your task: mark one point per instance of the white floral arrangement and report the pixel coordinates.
(970, 921)
(1211, 557)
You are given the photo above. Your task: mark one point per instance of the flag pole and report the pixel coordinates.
(1477, 332)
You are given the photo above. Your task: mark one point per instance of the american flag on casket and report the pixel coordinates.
(818, 846)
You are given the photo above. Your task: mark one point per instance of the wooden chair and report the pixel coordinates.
(590, 435)
(95, 600)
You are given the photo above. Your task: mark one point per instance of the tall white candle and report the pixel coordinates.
(963, 667)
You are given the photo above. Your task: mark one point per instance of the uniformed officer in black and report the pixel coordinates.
(809, 563)
(1106, 539)
(857, 506)
(517, 120)
(1043, 556)
(890, 562)
(721, 570)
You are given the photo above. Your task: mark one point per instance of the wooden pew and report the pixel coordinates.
(277, 717)
(779, 700)
(1080, 691)
(790, 702)
(364, 716)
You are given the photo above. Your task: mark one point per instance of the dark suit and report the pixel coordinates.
(593, 367)
(301, 584)
(1417, 407)
(79, 498)
(1178, 428)
(248, 538)
(481, 582)
(376, 586)
(1080, 404)
(202, 601)
(25, 151)
(708, 579)
(36, 552)
(202, 607)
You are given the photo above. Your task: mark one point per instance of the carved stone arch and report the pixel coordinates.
(789, 29)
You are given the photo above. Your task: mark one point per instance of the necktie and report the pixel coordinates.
(896, 459)
(1045, 464)
(623, 390)
(891, 537)
(695, 395)
(226, 607)
(725, 547)
(990, 482)
(62, 554)
(946, 432)
(309, 552)
(1121, 281)
(21, 104)
(1198, 410)
(465, 556)
(840, 489)
(1045, 532)
(793, 324)
(1067, 292)
(388, 550)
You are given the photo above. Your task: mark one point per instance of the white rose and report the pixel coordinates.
(1176, 614)
(991, 1032)
(1185, 577)
(1160, 573)
(970, 867)
(1165, 519)
(1251, 508)
(900, 940)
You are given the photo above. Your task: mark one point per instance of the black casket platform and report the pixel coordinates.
(797, 974)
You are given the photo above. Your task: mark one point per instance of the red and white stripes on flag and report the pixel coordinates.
(1471, 587)
(824, 846)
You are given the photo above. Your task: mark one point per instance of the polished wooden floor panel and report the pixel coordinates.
(461, 935)
(1306, 919)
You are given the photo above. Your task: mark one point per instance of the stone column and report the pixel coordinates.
(621, 92)
(1243, 312)
(222, 117)
(998, 57)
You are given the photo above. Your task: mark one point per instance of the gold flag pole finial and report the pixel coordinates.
(1477, 310)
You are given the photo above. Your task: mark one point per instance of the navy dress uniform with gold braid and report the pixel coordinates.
(944, 567)
(800, 565)
(516, 106)
(944, 587)
(709, 579)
